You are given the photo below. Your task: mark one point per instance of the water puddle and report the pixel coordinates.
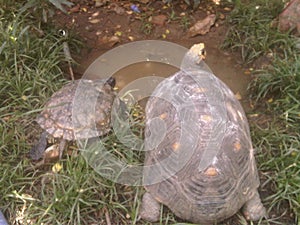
(132, 62)
(135, 71)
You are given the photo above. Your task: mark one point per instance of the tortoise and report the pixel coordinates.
(79, 110)
(199, 159)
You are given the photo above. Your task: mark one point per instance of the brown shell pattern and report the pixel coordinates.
(206, 196)
(80, 109)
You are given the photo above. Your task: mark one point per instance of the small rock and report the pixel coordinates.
(202, 26)
(159, 20)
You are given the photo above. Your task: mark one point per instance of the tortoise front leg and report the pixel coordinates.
(62, 146)
(254, 209)
(37, 151)
(150, 208)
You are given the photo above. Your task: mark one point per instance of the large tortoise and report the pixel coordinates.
(79, 110)
(199, 160)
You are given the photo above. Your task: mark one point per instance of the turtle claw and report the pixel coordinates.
(62, 146)
(37, 151)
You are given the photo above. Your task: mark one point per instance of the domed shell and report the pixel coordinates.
(80, 109)
(199, 160)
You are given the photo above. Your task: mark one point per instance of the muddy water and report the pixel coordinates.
(222, 68)
(132, 63)
(143, 69)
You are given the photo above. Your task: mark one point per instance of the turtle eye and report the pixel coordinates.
(111, 82)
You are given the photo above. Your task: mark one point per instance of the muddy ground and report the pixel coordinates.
(114, 24)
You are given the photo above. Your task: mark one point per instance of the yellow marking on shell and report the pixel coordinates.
(211, 172)
(163, 116)
(206, 118)
(176, 146)
(237, 146)
(240, 114)
(199, 90)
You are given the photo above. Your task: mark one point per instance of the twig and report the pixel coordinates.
(68, 58)
(108, 222)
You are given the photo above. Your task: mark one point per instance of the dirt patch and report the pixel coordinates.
(114, 24)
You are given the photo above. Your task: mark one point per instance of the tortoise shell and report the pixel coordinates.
(199, 159)
(80, 109)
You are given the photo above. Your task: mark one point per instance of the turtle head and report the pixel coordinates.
(198, 51)
(111, 82)
(194, 59)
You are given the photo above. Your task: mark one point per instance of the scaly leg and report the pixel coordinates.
(254, 209)
(62, 146)
(150, 208)
(37, 151)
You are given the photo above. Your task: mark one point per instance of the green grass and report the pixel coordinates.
(31, 58)
(77, 194)
(278, 88)
(253, 32)
(280, 84)
(275, 90)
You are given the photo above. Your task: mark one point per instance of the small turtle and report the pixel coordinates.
(79, 110)
(199, 160)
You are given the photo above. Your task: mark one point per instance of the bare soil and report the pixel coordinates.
(114, 24)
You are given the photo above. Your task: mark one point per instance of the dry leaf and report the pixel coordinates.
(202, 26)
(93, 21)
(118, 33)
(144, 1)
(159, 20)
(75, 9)
(118, 9)
(109, 41)
(131, 38)
(56, 167)
(238, 96)
(99, 3)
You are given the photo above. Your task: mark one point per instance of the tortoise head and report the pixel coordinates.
(111, 82)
